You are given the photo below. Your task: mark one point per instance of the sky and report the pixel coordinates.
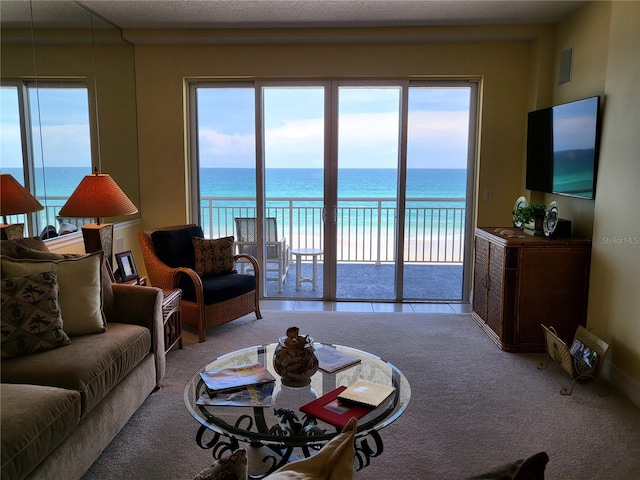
(368, 131)
(64, 116)
(368, 127)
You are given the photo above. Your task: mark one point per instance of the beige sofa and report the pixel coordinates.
(61, 407)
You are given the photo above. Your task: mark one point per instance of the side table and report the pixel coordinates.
(172, 318)
(314, 253)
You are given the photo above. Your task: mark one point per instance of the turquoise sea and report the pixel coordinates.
(286, 182)
(294, 196)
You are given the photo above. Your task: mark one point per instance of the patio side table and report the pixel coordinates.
(314, 253)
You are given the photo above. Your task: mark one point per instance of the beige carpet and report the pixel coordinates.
(473, 406)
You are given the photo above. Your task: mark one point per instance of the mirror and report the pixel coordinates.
(46, 45)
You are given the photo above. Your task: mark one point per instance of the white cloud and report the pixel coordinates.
(366, 140)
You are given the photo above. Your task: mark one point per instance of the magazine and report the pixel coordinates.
(231, 378)
(331, 360)
(252, 396)
(580, 351)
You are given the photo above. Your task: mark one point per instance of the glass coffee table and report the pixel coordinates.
(281, 427)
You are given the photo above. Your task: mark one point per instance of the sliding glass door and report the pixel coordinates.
(440, 152)
(293, 161)
(357, 190)
(367, 191)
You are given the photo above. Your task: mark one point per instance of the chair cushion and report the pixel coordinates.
(175, 247)
(80, 281)
(218, 288)
(30, 315)
(213, 257)
(35, 420)
(91, 364)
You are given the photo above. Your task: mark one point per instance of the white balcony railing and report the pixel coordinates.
(434, 227)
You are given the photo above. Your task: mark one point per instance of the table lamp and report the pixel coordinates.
(98, 195)
(14, 200)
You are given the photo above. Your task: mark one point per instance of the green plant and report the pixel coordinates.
(529, 212)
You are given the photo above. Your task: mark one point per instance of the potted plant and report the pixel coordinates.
(530, 216)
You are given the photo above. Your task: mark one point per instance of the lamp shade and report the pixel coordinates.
(14, 198)
(98, 195)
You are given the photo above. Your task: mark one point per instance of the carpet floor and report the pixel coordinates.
(473, 406)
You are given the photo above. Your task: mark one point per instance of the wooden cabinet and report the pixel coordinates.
(521, 281)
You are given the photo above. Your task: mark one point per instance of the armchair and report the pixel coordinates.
(207, 300)
(277, 251)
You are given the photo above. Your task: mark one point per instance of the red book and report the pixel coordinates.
(330, 409)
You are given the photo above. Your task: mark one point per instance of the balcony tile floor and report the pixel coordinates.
(439, 282)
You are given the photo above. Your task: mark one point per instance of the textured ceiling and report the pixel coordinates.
(186, 14)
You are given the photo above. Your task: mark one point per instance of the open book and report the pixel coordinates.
(367, 393)
(231, 378)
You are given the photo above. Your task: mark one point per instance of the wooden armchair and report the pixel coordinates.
(207, 301)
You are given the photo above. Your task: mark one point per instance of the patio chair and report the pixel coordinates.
(277, 251)
(208, 300)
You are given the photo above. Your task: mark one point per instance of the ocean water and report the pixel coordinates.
(352, 183)
(285, 182)
(294, 196)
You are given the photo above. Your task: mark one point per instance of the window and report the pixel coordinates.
(45, 143)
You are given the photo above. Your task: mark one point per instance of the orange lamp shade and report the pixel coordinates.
(14, 198)
(98, 195)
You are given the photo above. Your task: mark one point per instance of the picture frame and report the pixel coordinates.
(126, 267)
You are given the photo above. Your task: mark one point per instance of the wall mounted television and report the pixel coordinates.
(562, 148)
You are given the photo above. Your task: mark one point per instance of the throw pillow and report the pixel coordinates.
(30, 315)
(213, 257)
(108, 301)
(233, 467)
(8, 247)
(80, 288)
(334, 461)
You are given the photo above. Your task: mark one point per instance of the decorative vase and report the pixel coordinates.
(295, 359)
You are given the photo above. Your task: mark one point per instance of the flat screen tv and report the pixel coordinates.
(562, 148)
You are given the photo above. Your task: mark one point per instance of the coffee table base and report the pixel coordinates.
(222, 445)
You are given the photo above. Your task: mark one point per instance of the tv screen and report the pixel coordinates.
(562, 148)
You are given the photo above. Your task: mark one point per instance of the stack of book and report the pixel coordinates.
(243, 385)
(341, 404)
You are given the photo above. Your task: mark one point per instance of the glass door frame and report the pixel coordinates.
(331, 114)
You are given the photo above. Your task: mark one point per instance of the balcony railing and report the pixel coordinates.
(49, 215)
(366, 227)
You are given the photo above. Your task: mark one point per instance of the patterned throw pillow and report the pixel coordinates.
(213, 257)
(31, 319)
(80, 283)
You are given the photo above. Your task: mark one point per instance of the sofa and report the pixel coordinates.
(72, 375)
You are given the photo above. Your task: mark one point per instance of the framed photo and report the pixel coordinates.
(126, 267)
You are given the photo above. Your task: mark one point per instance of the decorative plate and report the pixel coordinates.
(520, 203)
(550, 219)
